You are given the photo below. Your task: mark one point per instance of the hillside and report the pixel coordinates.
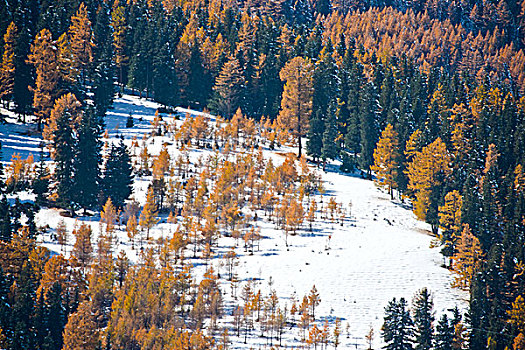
(380, 251)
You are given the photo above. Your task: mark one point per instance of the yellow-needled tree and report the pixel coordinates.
(296, 102)
(427, 173)
(148, 216)
(386, 159)
(7, 65)
(81, 331)
(81, 37)
(450, 221)
(467, 259)
(43, 57)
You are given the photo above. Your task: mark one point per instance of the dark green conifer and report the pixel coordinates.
(397, 330)
(87, 164)
(329, 149)
(444, 334)
(118, 177)
(423, 315)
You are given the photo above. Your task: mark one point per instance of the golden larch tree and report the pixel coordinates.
(108, 216)
(119, 26)
(83, 248)
(296, 102)
(467, 259)
(148, 216)
(131, 229)
(43, 57)
(426, 173)
(450, 221)
(81, 37)
(7, 65)
(81, 331)
(386, 159)
(67, 71)
(517, 314)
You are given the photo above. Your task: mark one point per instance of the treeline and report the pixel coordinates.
(224, 55)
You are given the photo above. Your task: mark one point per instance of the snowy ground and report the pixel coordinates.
(380, 252)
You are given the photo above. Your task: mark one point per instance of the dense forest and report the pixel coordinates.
(426, 97)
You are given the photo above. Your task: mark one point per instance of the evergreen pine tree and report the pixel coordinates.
(351, 85)
(164, 83)
(64, 115)
(103, 68)
(315, 136)
(6, 227)
(118, 177)
(25, 18)
(228, 89)
(56, 317)
(21, 321)
(198, 86)
(368, 121)
(397, 330)
(41, 182)
(444, 334)
(325, 80)
(423, 316)
(5, 307)
(329, 149)
(87, 160)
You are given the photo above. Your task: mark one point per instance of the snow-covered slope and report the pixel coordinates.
(381, 251)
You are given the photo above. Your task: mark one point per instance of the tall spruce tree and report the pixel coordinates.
(444, 334)
(56, 317)
(329, 149)
(5, 307)
(103, 68)
(63, 118)
(314, 143)
(423, 316)
(21, 320)
(397, 330)
(87, 160)
(118, 177)
(228, 89)
(368, 120)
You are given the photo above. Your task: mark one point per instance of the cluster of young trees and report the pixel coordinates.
(416, 328)
(99, 299)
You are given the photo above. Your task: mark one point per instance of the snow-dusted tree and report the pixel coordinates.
(398, 327)
(423, 316)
